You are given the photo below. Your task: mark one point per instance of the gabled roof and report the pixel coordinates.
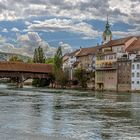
(135, 46)
(25, 67)
(117, 42)
(72, 53)
(67, 55)
(88, 51)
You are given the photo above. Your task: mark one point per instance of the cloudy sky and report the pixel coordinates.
(26, 24)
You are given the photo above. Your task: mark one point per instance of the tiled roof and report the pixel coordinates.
(88, 51)
(134, 46)
(117, 42)
(67, 55)
(72, 53)
(26, 67)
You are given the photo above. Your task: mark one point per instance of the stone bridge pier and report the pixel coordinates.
(20, 81)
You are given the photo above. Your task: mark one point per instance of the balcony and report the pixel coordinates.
(106, 66)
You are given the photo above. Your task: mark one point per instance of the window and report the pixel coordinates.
(133, 82)
(133, 74)
(138, 66)
(138, 74)
(133, 66)
(138, 82)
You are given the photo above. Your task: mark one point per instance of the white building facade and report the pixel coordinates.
(68, 63)
(135, 74)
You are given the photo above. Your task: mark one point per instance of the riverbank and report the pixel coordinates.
(29, 83)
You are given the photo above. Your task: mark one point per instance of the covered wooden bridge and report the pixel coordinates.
(23, 71)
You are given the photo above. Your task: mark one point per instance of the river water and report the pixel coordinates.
(35, 113)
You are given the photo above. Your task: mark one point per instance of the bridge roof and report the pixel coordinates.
(26, 67)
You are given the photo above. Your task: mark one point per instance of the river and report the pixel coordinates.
(40, 113)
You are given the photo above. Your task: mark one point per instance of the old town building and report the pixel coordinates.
(124, 74)
(86, 58)
(108, 58)
(135, 74)
(114, 62)
(68, 63)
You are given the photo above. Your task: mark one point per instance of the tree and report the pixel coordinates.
(39, 57)
(59, 75)
(81, 76)
(58, 59)
(49, 61)
(15, 58)
(35, 58)
(29, 60)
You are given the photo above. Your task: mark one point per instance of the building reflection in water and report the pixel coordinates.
(135, 108)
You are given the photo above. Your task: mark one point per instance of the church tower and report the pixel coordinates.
(107, 34)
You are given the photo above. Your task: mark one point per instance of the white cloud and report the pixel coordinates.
(121, 34)
(27, 43)
(65, 47)
(67, 25)
(78, 9)
(14, 29)
(5, 30)
(71, 16)
(27, 23)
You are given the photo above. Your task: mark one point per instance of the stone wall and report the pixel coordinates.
(124, 87)
(110, 82)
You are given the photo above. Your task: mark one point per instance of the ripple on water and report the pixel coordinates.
(74, 114)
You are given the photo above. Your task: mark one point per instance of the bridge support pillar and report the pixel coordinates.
(20, 82)
(20, 85)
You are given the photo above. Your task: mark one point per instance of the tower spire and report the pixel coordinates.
(107, 34)
(107, 17)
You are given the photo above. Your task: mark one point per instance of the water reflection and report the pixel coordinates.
(37, 106)
(75, 114)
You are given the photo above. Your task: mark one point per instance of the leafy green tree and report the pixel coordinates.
(58, 59)
(49, 61)
(39, 57)
(41, 82)
(81, 76)
(92, 74)
(30, 60)
(35, 58)
(15, 58)
(60, 76)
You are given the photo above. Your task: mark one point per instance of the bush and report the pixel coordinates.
(81, 76)
(40, 82)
